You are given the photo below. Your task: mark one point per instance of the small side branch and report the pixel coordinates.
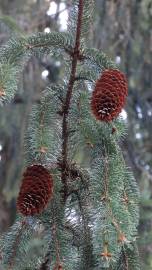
(16, 244)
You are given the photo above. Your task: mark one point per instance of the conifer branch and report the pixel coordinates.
(57, 248)
(65, 133)
(16, 244)
(94, 224)
(43, 148)
(121, 238)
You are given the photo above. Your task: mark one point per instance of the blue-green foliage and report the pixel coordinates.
(43, 138)
(8, 81)
(20, 242)
(101, 212)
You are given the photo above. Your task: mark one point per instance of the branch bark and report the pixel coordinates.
(65, 134)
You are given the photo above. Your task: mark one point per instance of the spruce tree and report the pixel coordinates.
(72, 215)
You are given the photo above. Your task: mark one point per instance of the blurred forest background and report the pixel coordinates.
(122, 29)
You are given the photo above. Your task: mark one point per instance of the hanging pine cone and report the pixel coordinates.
(109, 95)
(35, 191)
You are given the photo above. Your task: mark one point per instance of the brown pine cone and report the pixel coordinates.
(109, 95)
(36, 190)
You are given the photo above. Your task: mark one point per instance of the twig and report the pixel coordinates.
(57, 248)
(16, 244)
(65, 133)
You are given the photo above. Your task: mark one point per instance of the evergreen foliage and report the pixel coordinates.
(91, 222)
(10, 23)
